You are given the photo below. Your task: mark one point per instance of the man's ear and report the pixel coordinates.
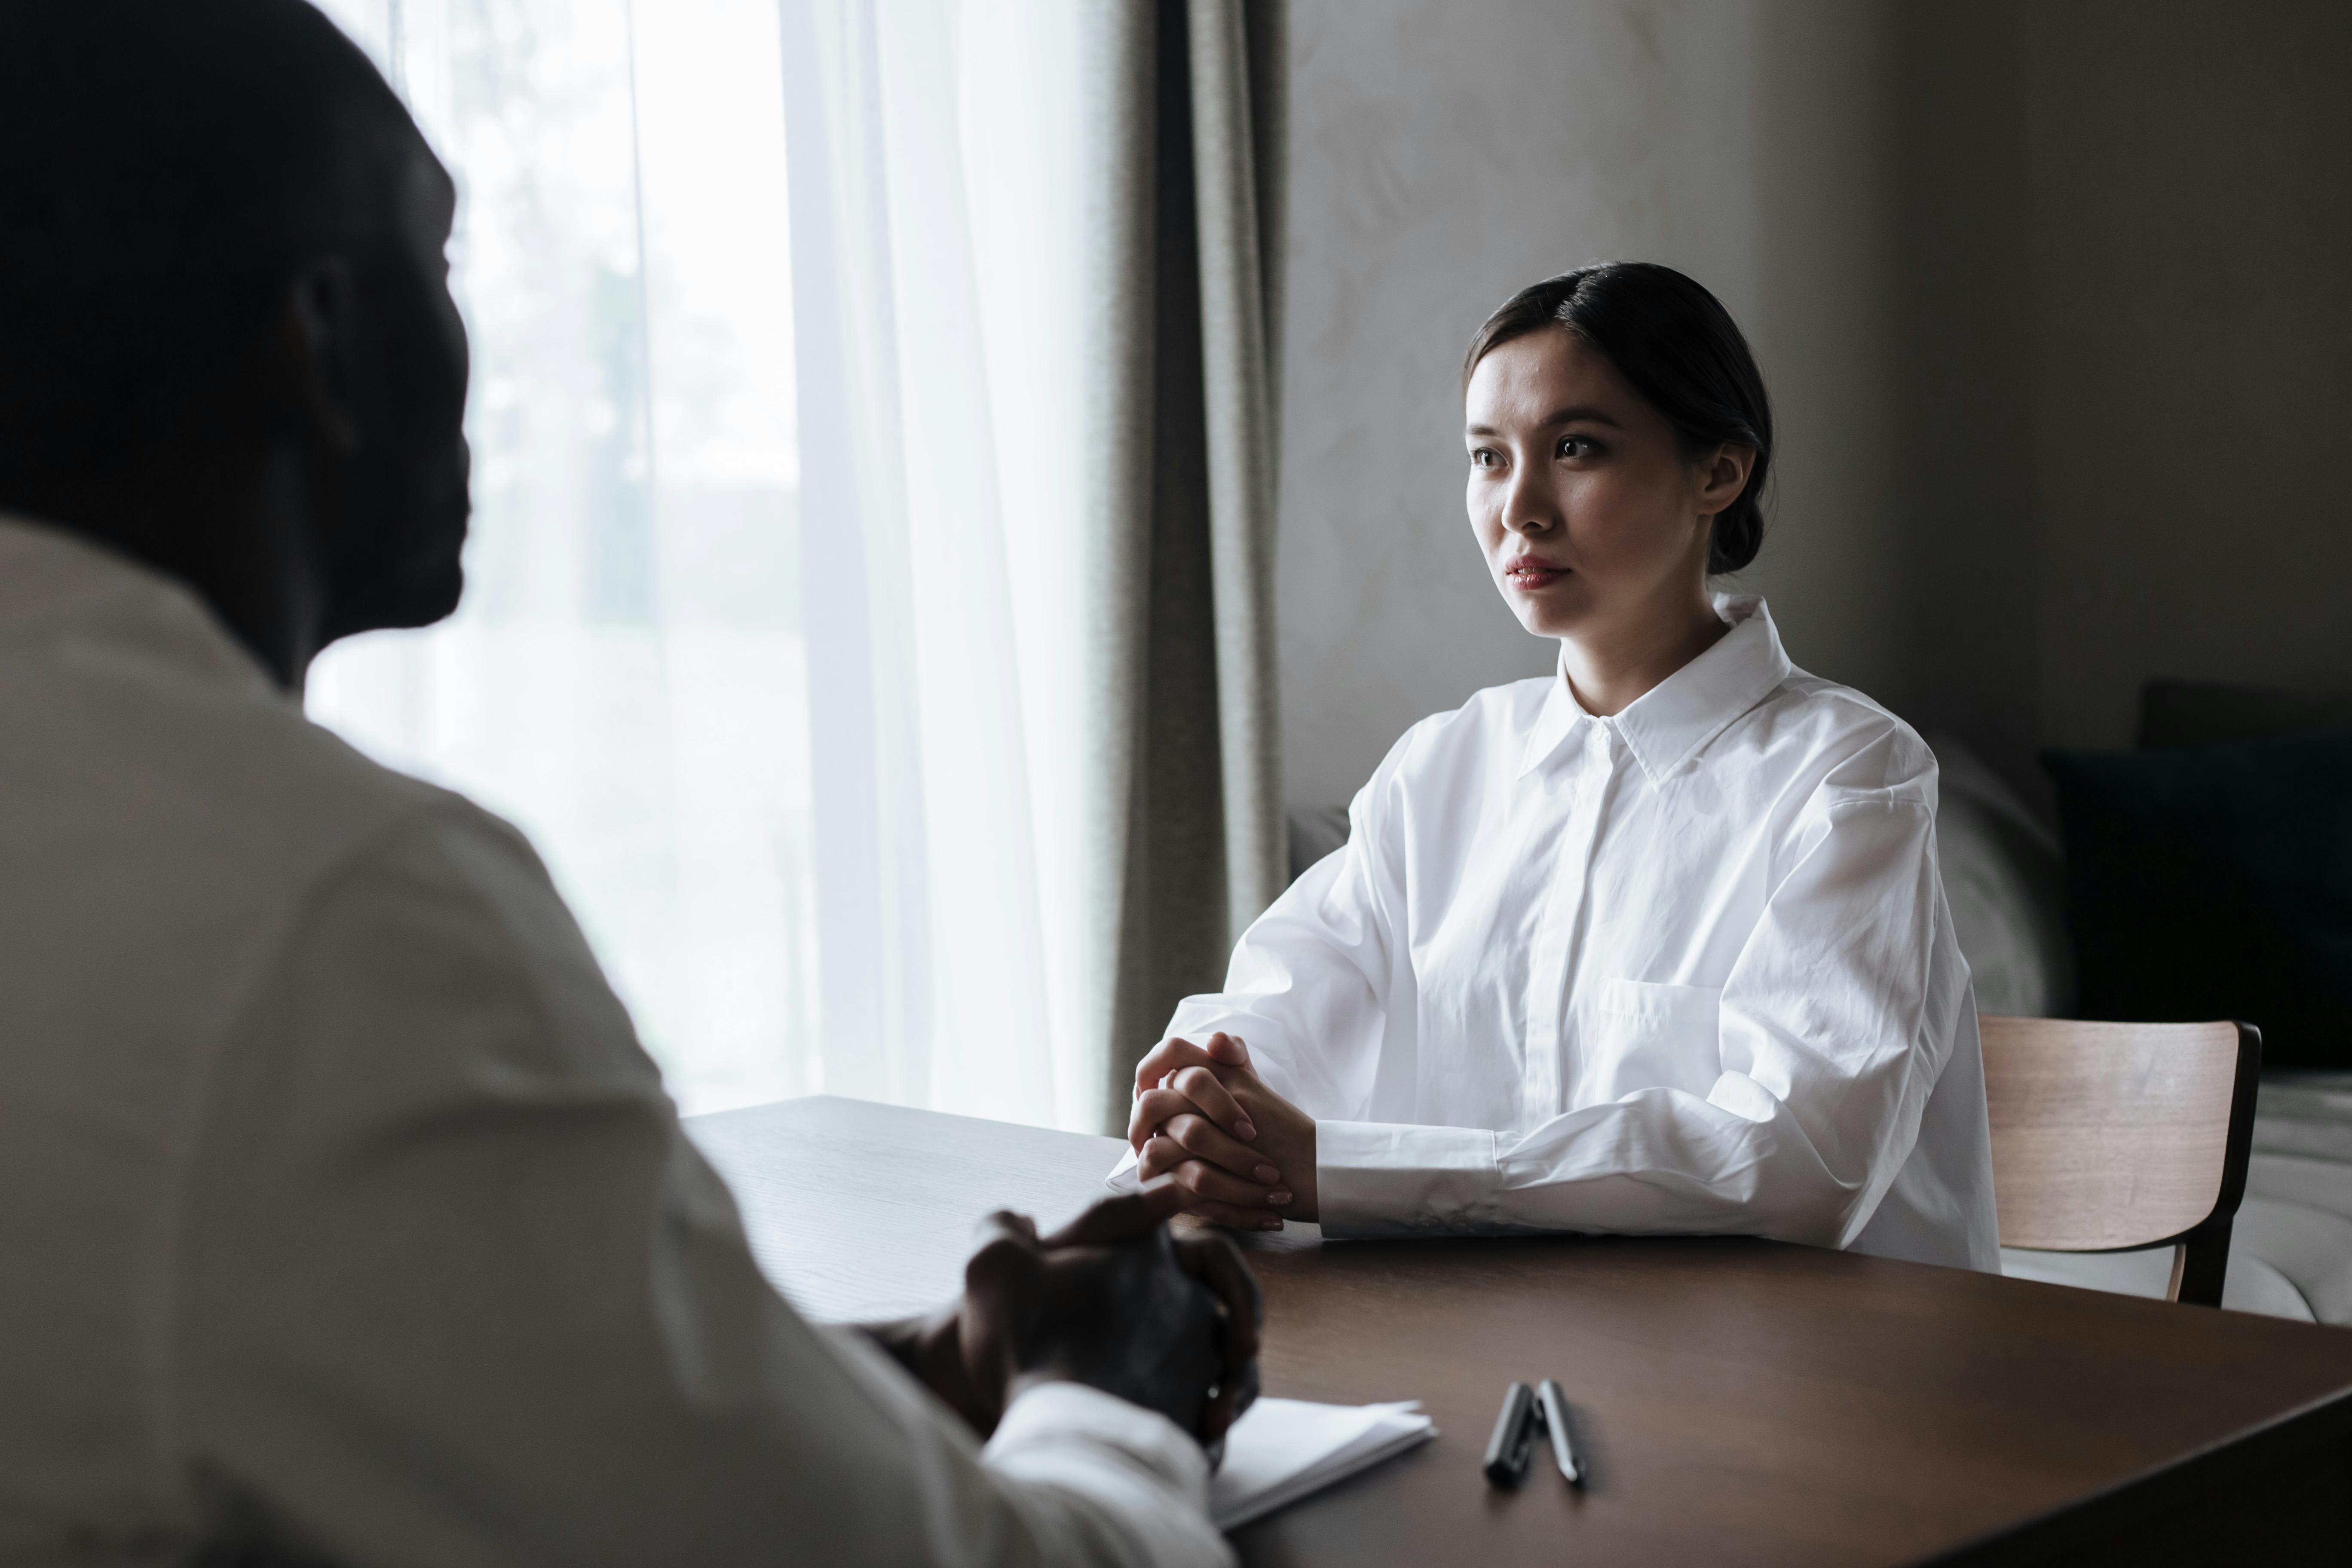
(1722, 476)
(321, 339)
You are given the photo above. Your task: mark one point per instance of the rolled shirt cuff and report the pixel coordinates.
(1385, 1179)
(1047, 1416)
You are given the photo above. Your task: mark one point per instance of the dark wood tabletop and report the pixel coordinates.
(1739, 1401)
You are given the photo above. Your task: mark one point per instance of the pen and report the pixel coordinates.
(1551, 1405)
(1507, 1450)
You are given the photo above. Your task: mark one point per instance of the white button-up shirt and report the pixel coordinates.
(1685, 969)
(338, 1203)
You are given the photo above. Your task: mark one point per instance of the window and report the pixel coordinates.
(624, 681)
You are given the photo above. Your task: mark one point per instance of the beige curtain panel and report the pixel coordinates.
(1190, 825)
(1033, 275)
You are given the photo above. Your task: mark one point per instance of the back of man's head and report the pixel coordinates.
(163, 164)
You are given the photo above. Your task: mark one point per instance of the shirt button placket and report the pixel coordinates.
(1586, 787)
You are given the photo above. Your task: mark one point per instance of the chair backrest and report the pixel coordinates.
(2114, 1137)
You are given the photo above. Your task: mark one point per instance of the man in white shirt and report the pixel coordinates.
(342, 1217)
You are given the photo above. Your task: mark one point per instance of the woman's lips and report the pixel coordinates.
(1529, 575)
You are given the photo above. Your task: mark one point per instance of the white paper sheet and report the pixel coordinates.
(1284, 1449)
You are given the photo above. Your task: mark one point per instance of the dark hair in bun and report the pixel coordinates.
(1676, 345)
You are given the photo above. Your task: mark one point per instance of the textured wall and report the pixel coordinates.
(2193, 242)
(1444, 155)
(2055, 302)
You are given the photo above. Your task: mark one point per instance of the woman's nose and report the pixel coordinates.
(1527, 506)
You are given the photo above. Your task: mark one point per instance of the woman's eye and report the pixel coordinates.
(1579, 447)
(1485, 458)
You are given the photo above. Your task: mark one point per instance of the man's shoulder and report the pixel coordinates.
(129, 715)
(343, 810)
(171, 813)
(175, 765)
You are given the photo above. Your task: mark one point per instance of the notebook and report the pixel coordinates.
(1282, 1449)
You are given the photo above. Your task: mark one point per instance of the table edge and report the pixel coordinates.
(2079, 1524)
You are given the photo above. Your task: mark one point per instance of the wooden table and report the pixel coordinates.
(1740, 1400)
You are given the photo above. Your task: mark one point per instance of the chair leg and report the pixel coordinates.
(2201, 1260)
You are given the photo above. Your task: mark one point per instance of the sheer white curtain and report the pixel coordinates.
(777, 641)
(949, 203)
(626, 678)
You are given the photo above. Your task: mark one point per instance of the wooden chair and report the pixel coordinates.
(2122, 1137)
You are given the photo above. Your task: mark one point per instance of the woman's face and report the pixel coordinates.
(1590, 515)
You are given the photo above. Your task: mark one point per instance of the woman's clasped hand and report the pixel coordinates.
(1244, 1155)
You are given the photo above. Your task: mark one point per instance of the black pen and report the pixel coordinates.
(1507, 1450)
(1552, 1407)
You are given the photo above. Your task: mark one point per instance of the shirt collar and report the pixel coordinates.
(1683, 712)
(54, 579)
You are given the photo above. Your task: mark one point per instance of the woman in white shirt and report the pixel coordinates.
(1656, 944)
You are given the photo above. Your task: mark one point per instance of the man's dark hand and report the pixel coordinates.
(1114, 1300)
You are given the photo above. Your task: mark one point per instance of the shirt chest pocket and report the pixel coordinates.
(1642, 1036)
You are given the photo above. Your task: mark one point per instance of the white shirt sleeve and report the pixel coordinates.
(1307, 988)
(1832, 1027)
(452, 1287)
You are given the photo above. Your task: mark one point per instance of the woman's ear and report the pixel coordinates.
(1722, 476)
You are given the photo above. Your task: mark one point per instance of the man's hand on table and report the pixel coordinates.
(1244, 1155)
(1112, 1300)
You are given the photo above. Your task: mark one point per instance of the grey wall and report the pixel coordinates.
(1966, 527)
(2193, 260)
(2052, 300)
